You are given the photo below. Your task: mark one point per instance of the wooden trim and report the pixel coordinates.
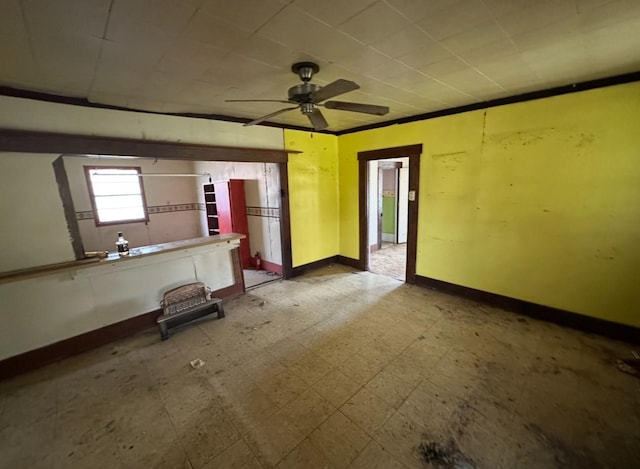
(348, 261)
(363, 212)
(271, 267)
(69, 210)
(305, 268)
(285, 223)
(413, 152)
(82, 102)
(530, 96)
(75, 345)
(238, 276)
(546, 313)
(231, 291)
(412, 218)
(393, 152)
(26, 141)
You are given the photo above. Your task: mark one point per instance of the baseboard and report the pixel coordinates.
(303, 269)
(558, 316)
(271, 267)
(373, 247)
(348, 261)
(37, 358)
(232, 291)
(81, 343)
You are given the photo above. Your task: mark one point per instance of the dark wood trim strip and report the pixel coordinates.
(546, 313)
(26, 141)
(531, 96)
(393, 152)
(412, 218)
(305, 268)
(69, 210)
(363, 212)
(348, 261)
(271, 267)
(285, 222)
(238, 275)
(231, 291)
(82, 102)
(75, 345)
(547, 93)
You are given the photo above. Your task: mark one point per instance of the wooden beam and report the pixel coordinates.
(26, 141)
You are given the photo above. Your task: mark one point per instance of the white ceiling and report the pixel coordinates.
(415, 56)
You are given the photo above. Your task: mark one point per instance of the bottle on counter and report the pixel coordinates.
(122, 245)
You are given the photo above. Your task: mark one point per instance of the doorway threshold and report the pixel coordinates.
(257, 278)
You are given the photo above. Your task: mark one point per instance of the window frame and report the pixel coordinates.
(96, 218)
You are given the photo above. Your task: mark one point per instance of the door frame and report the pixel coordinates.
(413, 152)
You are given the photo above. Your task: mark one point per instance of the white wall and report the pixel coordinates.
(43, 310)
(29, 183)
(373, 203)
(159, 192)
(262, 190)
(53, 307)
(27, 114)
(33, 226)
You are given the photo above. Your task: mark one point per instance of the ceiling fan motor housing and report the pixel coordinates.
(302, 93)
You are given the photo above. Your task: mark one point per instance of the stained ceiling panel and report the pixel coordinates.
(413, 56)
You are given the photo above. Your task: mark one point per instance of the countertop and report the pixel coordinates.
(114, 257)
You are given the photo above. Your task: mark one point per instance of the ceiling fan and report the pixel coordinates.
(307, 96)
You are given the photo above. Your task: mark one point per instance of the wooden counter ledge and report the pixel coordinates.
(134, 253)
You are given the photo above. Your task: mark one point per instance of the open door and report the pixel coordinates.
(403, 205)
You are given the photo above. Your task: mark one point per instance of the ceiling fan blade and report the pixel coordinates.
(334, 88)
(317, 120)
(269, 116)
(257, 101)
(357, 107)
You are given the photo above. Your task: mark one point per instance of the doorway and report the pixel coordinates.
(372, 210)
(244, 198)
(388, 192)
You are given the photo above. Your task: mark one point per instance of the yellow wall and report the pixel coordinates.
(313, 195)
(538, 201)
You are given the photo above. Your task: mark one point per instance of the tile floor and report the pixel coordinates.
(254, 278)
(391, 261)
(335, 369)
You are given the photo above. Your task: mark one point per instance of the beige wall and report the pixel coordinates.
(159, 192)
(262, 190)
(33, 228)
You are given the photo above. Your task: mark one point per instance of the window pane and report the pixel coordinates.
(121, 214)
(118, 201)
(117, 194)
(113, 187)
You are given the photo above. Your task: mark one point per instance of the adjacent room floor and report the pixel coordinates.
(391, 261)
(335, 369)
(254, 278)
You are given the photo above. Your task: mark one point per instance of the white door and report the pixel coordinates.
(403, 204)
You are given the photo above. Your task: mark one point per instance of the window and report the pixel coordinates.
(116, 194)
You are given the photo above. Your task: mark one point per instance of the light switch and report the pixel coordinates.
(412, 196)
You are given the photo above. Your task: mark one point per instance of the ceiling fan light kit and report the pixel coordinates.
(309, 95)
